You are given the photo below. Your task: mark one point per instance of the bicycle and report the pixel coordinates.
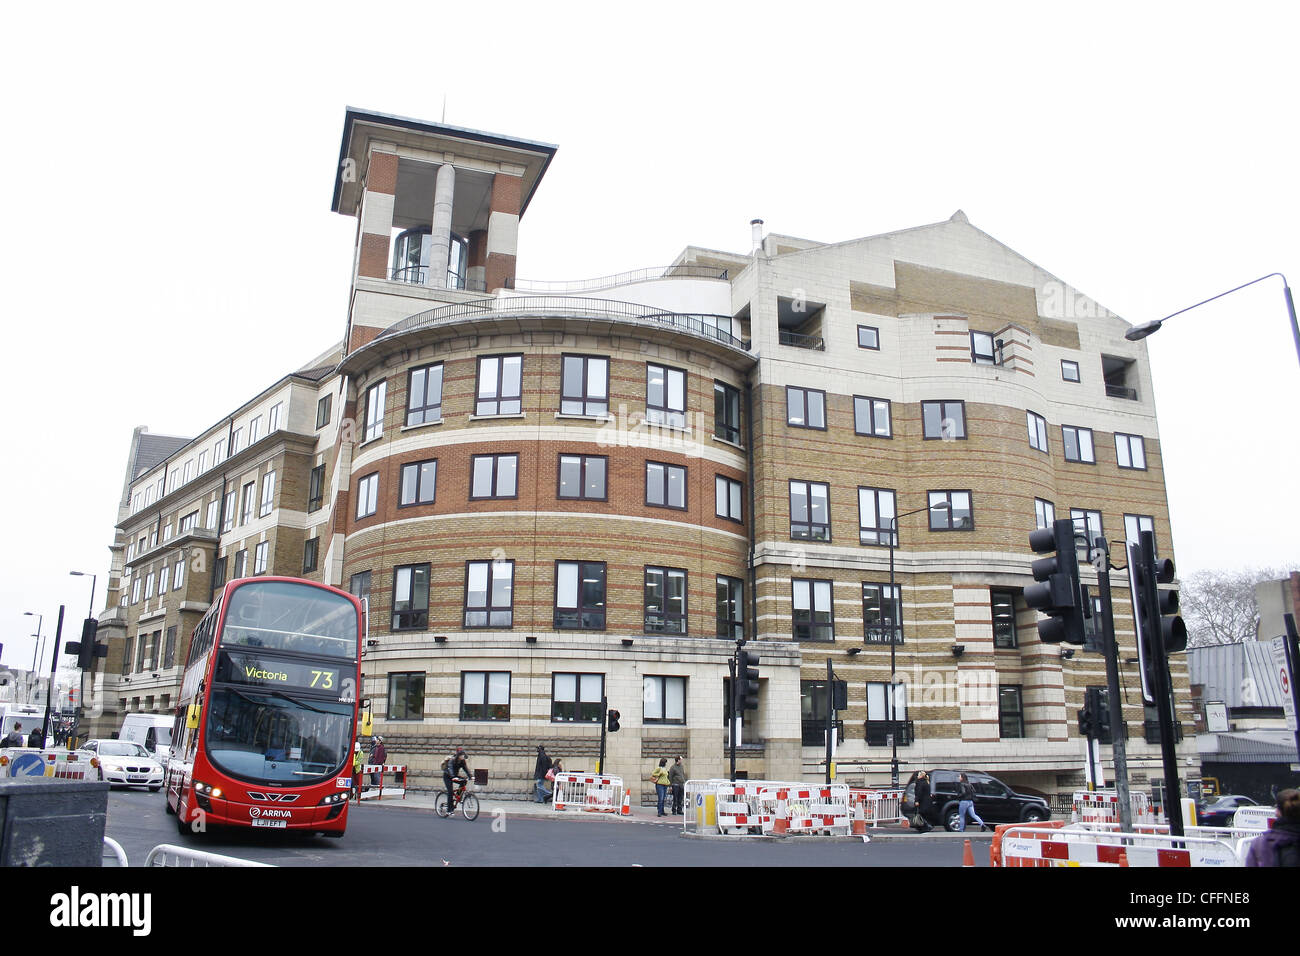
(462, 798)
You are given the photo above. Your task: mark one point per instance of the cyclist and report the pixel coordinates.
(452, 769)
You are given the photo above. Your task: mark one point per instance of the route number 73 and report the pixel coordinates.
(323, 679)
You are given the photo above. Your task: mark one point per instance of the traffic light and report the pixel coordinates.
(86, 650)
(1094, 718)
(1160, 628)
(1057, 593)
(746, 680)
(1173, 632)
(1087, 726)
(613, 716)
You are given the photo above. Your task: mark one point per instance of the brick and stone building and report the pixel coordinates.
(552, 493)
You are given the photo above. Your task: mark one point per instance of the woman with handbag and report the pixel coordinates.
(661, 781)
(924, 804)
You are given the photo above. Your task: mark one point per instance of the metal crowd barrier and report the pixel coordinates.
(1101, 845)
(113, 851)
(57, 764)
(166, 854)
(367, 792)
(1102, 806)
(597, 793)
(874, 807)
(806, 809)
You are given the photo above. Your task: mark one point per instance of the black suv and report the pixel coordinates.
(995, 802)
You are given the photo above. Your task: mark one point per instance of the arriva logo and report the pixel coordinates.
(256, 812)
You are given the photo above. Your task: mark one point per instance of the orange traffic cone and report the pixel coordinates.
(1123, 858)
(967, 855)
(627, 803)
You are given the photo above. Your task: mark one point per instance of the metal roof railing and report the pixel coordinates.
(621, 278)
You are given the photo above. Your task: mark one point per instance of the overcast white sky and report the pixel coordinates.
(168, 248)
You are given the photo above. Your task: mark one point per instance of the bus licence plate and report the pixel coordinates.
(280, 824)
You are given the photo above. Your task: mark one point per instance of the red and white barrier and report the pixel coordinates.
(56, 764)
(874, 807)
(590, 792)
(1102, 806)
(1082, 846)
(396, 789)
(805, 809)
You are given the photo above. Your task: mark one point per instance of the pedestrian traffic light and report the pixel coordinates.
(1087, 727)
(613, 720)
(1057, 593)
(746, 680)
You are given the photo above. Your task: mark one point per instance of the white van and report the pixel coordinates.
(29, 717)
(151, 731)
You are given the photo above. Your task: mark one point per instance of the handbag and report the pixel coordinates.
(550, 774)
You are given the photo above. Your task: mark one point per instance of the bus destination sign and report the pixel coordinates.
(238, 668)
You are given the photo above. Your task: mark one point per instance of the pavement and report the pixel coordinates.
(520, 807)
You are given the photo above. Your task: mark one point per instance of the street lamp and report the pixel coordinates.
(896, 632)
(39, 639)
(93, 580)
(1146, 328)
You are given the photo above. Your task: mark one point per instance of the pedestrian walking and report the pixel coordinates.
(540, 770)
(1280, 844)
(659, 777)
(966, 805)
(358, 761)
(677, 780)
(378, 757)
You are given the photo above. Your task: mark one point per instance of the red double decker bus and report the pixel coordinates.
(267, 713)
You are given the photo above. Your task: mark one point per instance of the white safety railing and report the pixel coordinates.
(874, 807)
(739, 807)
(113, 851)
(1102, 845)
(594, 792)
(805, 809)
(165, 854)
(395, 789)
(1253, 818)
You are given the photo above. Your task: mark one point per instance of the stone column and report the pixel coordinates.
(440, 243)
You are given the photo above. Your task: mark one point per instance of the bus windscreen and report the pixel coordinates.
(287, 616)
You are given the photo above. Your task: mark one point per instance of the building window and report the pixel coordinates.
(805, 408)
(577, 698)
(273, 418)
(241, 563)
(664, 700)
(260, 556)
(219, 452)
(665, 600)
(1130, 451)
(424, 395)
(236, 443)
(169, 648)
(1044, 513)
(188, 522)
(405, 696)
(164, 578)
(210, 522)
(410, 597)
(489, 593)
(886, 714)
(1069, 370)
(814, 702)
(485, 695)
(868, 337)
(584, 386)
(359, 586)
(324, 406)
(419, 483)
(316, 488)
(876, 516)
(665, 396)
(135, 591)
(580, 595)
(500, 385)
(228, 508)
(375, 396)
(882, 614)
(1078, 444)
(255, 430)
(810, 511)
(1134, 525)
(250, 501)
(1011, 716)
(494, 476)
(951, 511)
(665, 485)
(218, 574)
(982, 349)
(1004, 618)
(945, 421)
(871, 417)
(128, 653)
(731, 608)
(1087, 529)
(268, 494)
(582, 477)
(310, 554)
(368, 495)
(1037, 431)
(178, 572)
(814, 616)
(727, 494)
(726, 413)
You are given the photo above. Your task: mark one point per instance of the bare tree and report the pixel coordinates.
(1219, 607)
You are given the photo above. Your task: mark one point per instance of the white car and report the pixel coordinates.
(125, 764)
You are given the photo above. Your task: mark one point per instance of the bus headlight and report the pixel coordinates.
(333, 798)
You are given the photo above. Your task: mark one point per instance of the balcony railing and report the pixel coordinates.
(878, 731)
(621, 278)
(795, 340)
(1121, 391)
(417, 275)
(814, 731)
(702, 325)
